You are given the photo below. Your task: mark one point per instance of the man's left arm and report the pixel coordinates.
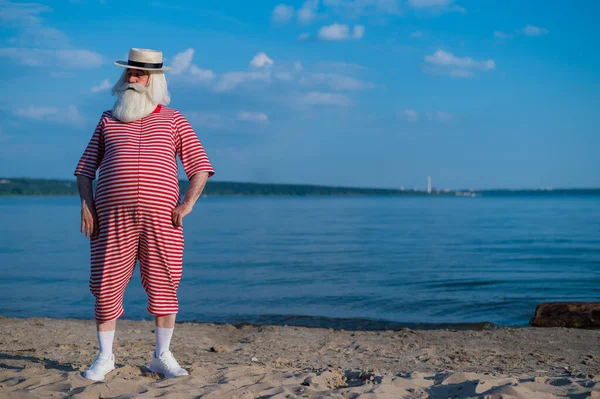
(195, 163)
(192, 194)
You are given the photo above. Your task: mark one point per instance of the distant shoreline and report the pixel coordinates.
(63, 187)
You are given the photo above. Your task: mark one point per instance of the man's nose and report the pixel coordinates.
(132, 79)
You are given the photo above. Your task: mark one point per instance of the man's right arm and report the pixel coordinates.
(86, 173)
(89, 218)
(84, 184)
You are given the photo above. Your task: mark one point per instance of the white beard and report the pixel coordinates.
(133, 103)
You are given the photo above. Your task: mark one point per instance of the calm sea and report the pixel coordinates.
(353, 262)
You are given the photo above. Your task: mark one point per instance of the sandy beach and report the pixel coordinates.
(44, 358)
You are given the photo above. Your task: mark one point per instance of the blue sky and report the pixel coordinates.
(372, 93)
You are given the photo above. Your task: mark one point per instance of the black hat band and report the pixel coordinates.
(156, 65)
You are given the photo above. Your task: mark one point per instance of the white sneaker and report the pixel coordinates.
(101, 366)
(167, 365)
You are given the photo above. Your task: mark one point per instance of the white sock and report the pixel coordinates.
(163, 339)
(105, 340)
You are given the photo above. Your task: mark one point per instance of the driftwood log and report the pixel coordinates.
(567, 314)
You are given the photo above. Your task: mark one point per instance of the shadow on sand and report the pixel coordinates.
(47, 363)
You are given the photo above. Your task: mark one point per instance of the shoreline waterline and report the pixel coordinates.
(349, 324)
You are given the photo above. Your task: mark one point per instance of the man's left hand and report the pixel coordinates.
(179, 213)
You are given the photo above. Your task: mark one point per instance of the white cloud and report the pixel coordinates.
(181, 61)
(261, 60)
(417, 34)
(255, 117)
(37, 44)
(202, 75)
(205, 119)
(285, 76)
(388, 6)
(321, 98)
(355, 9)
(68, 116)
(36, 113)
(456, 8)
(308, 12)
(231, 80)
(429, 3)
(528, 30)
(442, 57)
(59, 58)
(335, 81)
(445, 62)
(358, 31)
(62, 74)
(303, 36)
(79, 58)
(341, 32)
(440, 116)
(343, 67)
(461, 73)
(21, 14)
(104, 85)
(335, 32)
(72, 116)
(282, 14)
(26, 19)
(436, 5)
(99, 1)
(305, 15)
(298, 66)
(502, 35)
(531, 30)
(409, 115)
(40, 36)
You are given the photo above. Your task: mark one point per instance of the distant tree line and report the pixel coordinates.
(23, 186)
(53, 187)
(57, 187)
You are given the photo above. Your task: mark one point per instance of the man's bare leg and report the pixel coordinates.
(166, 321)
(107, 325)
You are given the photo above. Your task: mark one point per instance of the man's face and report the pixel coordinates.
(138, 76)
(134, 99)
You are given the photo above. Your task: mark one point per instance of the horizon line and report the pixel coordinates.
(185, 180)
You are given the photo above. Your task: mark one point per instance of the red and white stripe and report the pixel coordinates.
(136, 193)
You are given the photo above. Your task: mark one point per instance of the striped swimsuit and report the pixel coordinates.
(137, 191)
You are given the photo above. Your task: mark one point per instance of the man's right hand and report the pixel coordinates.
(89, 221)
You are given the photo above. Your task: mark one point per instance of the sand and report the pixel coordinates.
(44, 358)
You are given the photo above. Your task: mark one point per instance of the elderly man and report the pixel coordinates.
(137, 213)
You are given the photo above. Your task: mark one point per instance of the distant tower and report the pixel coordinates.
(429, 184)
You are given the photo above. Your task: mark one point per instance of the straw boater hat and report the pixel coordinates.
(142, 58)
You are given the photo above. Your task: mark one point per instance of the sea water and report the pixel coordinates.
(352, 262)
